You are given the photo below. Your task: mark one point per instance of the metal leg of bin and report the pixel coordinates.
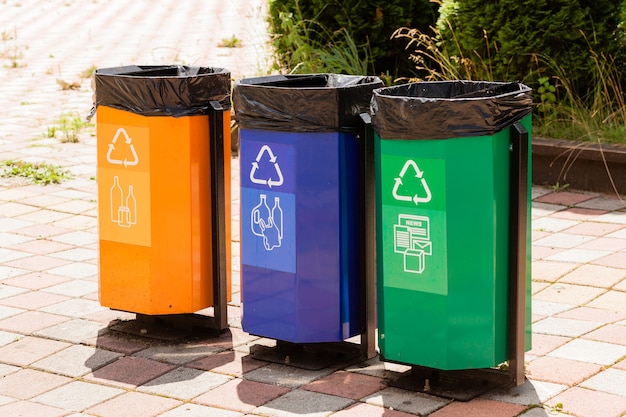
(368, 245)
(517, 252)
(219, 321)
(218, 216)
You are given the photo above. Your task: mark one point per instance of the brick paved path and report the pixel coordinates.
(58, 355)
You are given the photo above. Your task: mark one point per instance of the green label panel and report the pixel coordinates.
(414, 224)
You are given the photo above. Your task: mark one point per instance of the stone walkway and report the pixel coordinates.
(58, 353)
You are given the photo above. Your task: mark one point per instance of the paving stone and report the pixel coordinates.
(27, 408)
(75, 307)
(544, 343)
(590, 351)
(612, 381)
(134, 404)
(77, 396)
(32, 300)
(531, 392)
(178, 354)
(346, 384)
(29, 349)
(195, 410)
(573, 294)
(29, 322)
(564, 327)
(479, 408)
(561, 371)
(407, 401)
(28, 383)
(75, 331)
(550, 224)
(611, 333)
(300, 402)
(76, 360)
(549, 308)
(184, 383)
(8, 291)
(285, 376)
(563, 240)
(75, 270)
(578, 255)
(368, 410)
(594, 275)
(611, 300)
(564, 198)
(241, 395)
(73, 288)
(129, 372)
(583, 402)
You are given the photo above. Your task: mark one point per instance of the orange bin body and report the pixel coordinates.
(154, 212)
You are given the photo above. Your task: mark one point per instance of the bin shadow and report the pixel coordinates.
(132, 352)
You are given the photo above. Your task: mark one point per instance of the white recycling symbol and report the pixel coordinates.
(270, 182)
(418, 174)
(128, 141)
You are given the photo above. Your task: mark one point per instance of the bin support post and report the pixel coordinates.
(368, 241)
(517, 252)
(218, 215)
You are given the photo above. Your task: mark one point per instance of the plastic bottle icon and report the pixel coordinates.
(259, 222)
(267, 223)
(117, 196)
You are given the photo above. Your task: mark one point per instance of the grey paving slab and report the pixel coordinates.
(285, 376)
(590, 351)
(77, 396)
(179, 354)
(76, 307)
(407, 401)
(74, 331)
(76, 360)
(565, 327)
(529, 393)
(612, 381)
(298, 402)
(184, 383)
(74, 288)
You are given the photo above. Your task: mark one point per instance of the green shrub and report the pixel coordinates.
(511, 35)
(324, 24)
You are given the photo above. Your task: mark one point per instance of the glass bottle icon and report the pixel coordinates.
(131, 205)
(277, 218)
(117, 196)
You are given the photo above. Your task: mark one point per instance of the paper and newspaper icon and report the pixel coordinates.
(412, 240)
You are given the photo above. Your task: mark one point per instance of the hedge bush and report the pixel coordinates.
(510, 39)
(369, 23)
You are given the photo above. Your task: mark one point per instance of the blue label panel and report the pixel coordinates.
(268, 229)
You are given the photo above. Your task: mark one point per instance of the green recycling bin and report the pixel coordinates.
(445, 204)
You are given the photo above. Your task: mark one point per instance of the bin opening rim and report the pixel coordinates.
(274, 81)
(143, 71)
(384, 91)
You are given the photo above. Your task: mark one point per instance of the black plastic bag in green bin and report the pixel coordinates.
(172, 90)
(448, 109)
(303, 103)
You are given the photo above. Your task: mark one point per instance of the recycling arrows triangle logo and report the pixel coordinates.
(273, 180)
(411, 166)
(116, 157)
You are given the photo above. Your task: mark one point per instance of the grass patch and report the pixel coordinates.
(69, 125)
(39, 173)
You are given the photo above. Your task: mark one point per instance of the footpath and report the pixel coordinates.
(59, 352)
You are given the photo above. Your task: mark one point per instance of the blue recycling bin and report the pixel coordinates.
(300, 197)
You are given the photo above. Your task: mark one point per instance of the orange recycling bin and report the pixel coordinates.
(160, 133)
